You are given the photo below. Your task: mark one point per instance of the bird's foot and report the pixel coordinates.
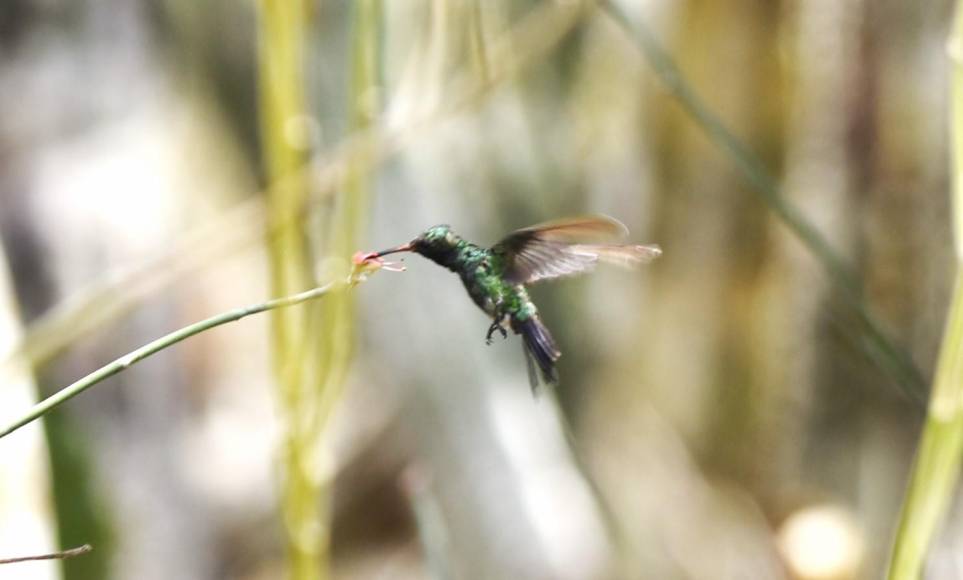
(491, 330)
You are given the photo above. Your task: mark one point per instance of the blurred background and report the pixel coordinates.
(724, 412)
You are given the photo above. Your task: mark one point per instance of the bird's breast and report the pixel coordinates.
(483, 288)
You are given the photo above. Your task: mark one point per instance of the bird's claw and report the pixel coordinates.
(491, 330)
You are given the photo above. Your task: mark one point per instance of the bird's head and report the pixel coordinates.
(433, 243)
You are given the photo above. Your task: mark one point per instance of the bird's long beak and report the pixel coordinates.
(403, 248)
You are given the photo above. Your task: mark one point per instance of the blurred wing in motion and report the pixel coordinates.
(555, 249)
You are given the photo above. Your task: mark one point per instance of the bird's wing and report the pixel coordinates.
(559, 248)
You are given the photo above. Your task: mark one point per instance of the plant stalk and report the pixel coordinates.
(936, 470)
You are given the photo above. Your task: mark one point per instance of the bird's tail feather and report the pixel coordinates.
(540, 351)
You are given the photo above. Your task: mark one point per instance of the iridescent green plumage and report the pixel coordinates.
(495, 278)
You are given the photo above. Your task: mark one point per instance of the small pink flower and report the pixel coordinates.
(366, 263)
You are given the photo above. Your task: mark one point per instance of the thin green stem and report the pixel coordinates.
(879, 347)
(71, 553)
(151, 348)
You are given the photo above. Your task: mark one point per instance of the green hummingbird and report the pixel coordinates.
(496, 277)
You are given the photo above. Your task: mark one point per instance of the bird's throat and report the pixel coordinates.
(449, 257)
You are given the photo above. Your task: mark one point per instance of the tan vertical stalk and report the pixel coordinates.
(817, 177)
(281, 80)
(336, 338)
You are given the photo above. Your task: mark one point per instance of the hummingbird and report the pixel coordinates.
(496, 277)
